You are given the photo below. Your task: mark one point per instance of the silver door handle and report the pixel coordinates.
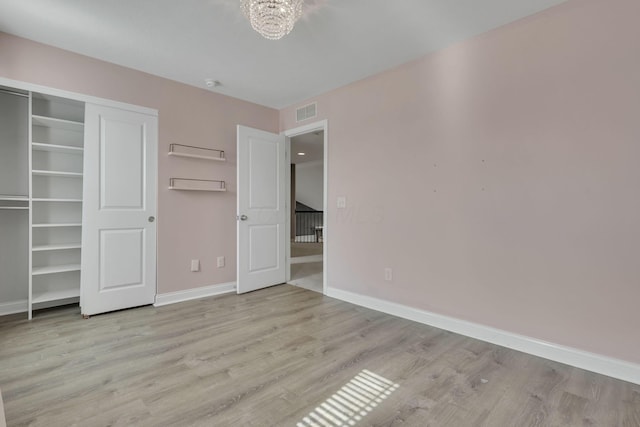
(243, 218)
(152, 218)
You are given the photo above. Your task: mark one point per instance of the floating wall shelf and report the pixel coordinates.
(188, 184)
(180, 150)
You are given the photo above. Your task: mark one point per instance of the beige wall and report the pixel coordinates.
(190, 225)
(499, 179)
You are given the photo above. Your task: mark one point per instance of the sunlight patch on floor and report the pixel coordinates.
(352, 402)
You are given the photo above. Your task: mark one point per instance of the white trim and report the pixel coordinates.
(290, 133)
(76, 96)
(311, 127)
(609, 366)
(14, 307)
(30, 242)
(287, 226)
(196, 293)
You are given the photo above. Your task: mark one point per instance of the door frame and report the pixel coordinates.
(322, 125)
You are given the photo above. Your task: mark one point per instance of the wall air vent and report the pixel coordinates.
(306, 112)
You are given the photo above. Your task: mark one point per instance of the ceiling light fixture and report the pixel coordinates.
(302, 154)
(273, 19)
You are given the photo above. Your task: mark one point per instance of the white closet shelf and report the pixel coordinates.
(14, 198)
(46, 296)
(51, 122)
(57, 173)
(57, 225)
(57, 200)
(39, 146)
(61, 247)
(51, 269)
(15, 208)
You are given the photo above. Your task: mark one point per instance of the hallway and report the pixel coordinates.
(306, 266)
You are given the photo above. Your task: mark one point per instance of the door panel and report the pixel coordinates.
(262, 202)
(122, 144)
(263, 174)
(262, 239)
(119, 206)
(122, 257)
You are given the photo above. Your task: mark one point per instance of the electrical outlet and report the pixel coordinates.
(342, 202)
(388, 274)
(195, 265)
(220, 261)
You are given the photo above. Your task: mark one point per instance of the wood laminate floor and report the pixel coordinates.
(284, 356)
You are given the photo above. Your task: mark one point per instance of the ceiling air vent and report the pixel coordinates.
(306, 112)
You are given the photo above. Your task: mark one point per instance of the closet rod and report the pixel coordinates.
(14, 93)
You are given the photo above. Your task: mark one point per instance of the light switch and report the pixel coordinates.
(195, 265)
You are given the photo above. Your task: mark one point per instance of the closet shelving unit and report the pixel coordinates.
(56, 197)
(194, 152)
(50, 239)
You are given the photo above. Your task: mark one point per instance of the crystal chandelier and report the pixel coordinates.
(273, 19)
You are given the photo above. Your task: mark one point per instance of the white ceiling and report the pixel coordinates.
(336, 41)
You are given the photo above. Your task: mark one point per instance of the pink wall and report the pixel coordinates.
(190, 225)
(499, 179)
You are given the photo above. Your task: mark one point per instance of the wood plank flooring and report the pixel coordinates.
(284, 356)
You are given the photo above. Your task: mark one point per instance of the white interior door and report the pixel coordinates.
(262, 214)
(119, 208)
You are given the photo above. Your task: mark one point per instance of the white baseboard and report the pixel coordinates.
(611, 367)
(161, 299)
(14, 307)
(196, 293)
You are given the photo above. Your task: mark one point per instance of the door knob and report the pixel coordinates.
(243, 218)
(152, 218)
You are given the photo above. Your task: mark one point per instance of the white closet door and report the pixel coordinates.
(119, 208)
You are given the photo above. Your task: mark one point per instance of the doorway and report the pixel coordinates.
(308, 202)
